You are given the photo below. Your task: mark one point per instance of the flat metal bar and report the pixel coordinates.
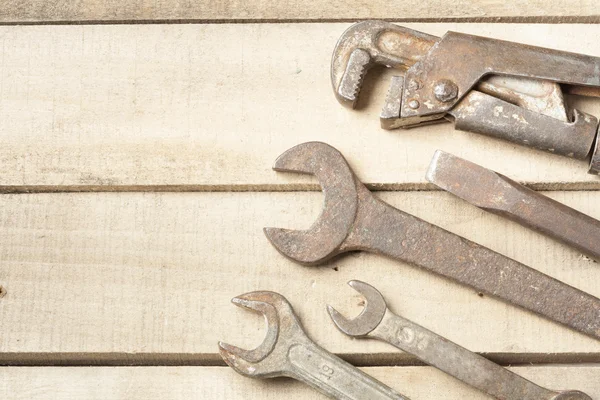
(500, 195)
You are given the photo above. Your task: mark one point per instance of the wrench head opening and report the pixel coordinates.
(370, 316)
(368, 43)
(572, 395)
(325, 237)
(263, 361)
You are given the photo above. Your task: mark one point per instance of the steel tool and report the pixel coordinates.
(503, 89)
(353, 219)
(500, 195)
(378, 322)
(287, 351)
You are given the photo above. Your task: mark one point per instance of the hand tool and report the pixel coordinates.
(287, 351)
(378, 322)
(353, 219)
(502, 89)
(500, 195)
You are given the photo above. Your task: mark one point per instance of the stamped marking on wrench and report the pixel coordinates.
(287, 351)
(353, 219)
(378, 322)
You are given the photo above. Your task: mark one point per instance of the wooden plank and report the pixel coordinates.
(45, 11)
(210, 107)
(171, 383)
(146, 278)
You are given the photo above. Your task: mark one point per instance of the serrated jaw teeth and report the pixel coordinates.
(358, 64)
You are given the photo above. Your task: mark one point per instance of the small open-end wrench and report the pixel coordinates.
(287, 351)
(353, 219)
(378, 322)
(500, 195)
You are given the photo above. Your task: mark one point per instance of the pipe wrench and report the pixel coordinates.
(503, 89)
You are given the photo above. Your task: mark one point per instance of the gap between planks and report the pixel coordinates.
(214, 360)
(291, 187)
(574, 19)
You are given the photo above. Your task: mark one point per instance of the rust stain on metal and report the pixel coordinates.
(353, 219)
(501, 195)
(288, 351)
(378, 322)
(439, 78)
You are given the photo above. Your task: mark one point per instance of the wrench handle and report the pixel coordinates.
(469, 367)
(334, 377)
(383, 229)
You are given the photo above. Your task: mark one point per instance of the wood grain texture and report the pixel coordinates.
(46, 11)
(210, 107)
(146, 278)
(174, 383)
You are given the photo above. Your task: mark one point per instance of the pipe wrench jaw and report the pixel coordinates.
(390, 112)
(369, 43)
(349, 87)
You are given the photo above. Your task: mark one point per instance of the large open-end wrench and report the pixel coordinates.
(287, 351)
(353, 219)
(378, 322)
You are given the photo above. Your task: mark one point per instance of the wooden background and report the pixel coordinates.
(135, 183)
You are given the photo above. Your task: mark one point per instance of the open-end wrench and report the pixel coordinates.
(378, 322)
(353, 219)
(287, 351)
(500, 195)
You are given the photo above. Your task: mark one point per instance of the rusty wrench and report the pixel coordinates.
(287, 351)
(378, 322)
(502, 89)
(353, 219)
(500, 195)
